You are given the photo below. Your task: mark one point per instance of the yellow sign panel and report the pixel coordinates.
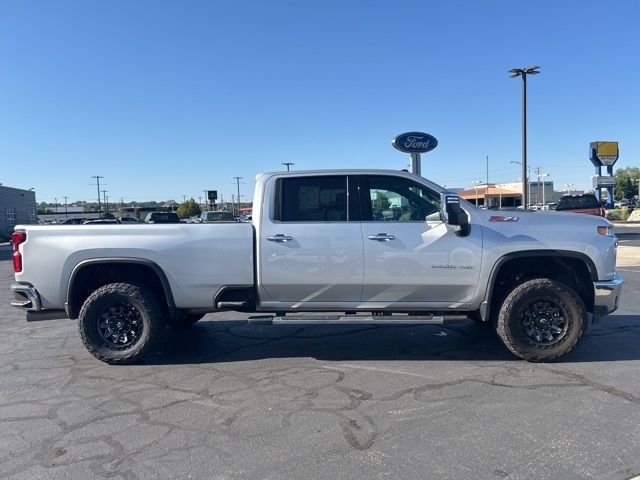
(607, 149)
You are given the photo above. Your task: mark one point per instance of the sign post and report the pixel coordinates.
(604, 154)
(415, 143)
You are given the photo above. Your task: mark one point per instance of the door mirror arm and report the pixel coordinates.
(452, 213)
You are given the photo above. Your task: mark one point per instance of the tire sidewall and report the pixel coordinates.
(98, 302)
(510, 327)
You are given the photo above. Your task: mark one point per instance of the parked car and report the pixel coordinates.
(129, 220)
(218, 216)
(162, 217)
(585, 203)
(74, 221)
(247, 218)
(101, 221)
(320, 243)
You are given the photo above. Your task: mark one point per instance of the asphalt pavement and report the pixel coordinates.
(227, 400)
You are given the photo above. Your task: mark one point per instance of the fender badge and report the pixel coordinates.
(500, 218)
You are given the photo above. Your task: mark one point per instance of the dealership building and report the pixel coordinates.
(17, 206)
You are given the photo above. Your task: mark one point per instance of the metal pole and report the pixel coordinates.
(238, 185)
(66, 210)
(98, 177)
(415, 166)
(525, 197)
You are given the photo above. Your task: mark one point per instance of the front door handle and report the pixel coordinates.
(381, 237)
(280, 238)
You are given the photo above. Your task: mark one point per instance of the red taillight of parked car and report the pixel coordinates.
(17, 238)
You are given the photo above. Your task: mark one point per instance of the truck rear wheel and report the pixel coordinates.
(120, 323)
(542, 320)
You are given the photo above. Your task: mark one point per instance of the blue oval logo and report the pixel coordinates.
(415, 142)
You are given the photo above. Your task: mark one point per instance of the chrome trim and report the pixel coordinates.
(33, 303)
(606, 295)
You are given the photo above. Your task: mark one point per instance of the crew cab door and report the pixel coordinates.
(410, 255)
(310, 244)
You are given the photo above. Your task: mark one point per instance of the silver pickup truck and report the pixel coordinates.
(354, 246)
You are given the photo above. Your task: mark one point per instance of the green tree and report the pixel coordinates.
(381, 203)
(188, 209)
(626, 186)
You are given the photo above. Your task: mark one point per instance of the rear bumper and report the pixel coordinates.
(606, 296)
(26, 297)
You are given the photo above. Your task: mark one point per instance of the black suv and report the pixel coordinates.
(162, 217)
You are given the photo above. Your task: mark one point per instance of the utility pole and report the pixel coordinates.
(104, 195)
(184, 198)
(66, 210)
(55, 205)
(288, 164)
(207, 206)
(98, 177)
(238, 185)
(538, 187)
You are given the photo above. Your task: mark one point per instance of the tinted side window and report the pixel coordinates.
(398, 199)
(313, 199)
(586, 201)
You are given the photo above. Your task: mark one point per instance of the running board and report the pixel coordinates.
(355, 319)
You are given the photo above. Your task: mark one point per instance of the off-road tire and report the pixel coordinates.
(509, 324)
(150, 315)
(186, 320)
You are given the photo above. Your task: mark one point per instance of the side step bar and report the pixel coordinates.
(354, 319)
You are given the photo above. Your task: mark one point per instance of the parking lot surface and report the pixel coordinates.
(229, 400)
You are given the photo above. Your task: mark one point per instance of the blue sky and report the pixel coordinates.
(167, 98)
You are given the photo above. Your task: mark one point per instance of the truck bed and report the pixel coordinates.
(197, 259)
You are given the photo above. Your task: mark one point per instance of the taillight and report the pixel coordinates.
(17, 238)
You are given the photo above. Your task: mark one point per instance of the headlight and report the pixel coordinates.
(606, 231)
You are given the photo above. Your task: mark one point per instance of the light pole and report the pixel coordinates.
(288, 164)
(542, 175)
(523, 72)
(98, 177)
(528, 182)
(238, 185)
(475, 185)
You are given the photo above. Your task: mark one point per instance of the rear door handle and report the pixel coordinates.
(280, 238)
(381, 237)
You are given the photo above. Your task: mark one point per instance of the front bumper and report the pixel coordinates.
(26, 297)
(606, 295)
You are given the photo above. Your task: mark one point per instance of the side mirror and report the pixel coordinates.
(453, 214)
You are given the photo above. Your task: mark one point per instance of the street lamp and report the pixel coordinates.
(528, 183)
(475, 185)
(523, 72)
(542, 175)
(288, 164)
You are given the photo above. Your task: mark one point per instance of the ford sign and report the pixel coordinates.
(415, 142)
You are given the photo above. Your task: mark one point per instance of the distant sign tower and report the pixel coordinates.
(604, 154)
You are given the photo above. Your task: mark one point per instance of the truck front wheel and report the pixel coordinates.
(542, 320)
(120, 323)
